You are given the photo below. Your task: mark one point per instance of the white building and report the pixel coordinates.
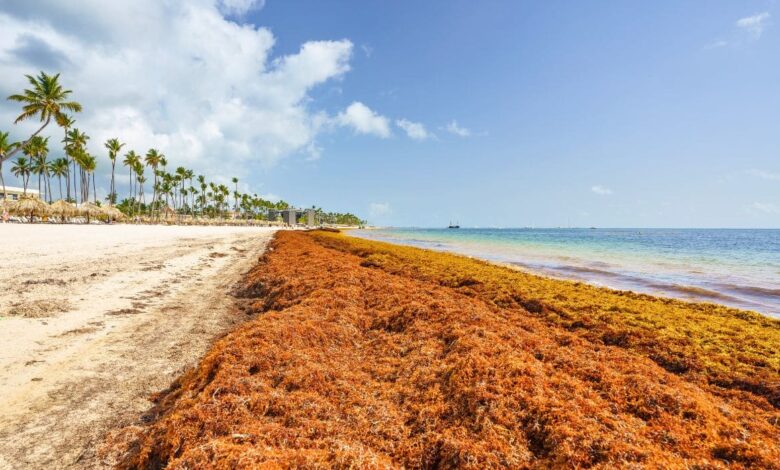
(14, 193)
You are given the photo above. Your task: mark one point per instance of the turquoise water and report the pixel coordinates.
(736, 267)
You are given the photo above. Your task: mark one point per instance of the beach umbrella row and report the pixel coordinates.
(30, 206)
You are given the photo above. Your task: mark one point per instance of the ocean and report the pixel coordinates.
(736, 267)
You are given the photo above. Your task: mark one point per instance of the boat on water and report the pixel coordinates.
(453, 225)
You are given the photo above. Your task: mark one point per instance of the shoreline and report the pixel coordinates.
(362, 352)
(616, 277)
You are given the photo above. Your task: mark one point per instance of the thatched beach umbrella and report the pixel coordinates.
(113, 213)
(91, 210)
(62, 209)
(166, 211)
(30, 206)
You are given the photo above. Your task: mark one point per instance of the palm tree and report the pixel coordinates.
(189, 174)
(46, 100)
(59, 168)
(131, 161)
(152, 159)
(67, 123)
(224, 192)
(5, 147)
(39, 168)
(38, 150)
(180, 174)
(165, 188)
(75, 142)
(139, 177)
(202, 182)
(22, 168)
(82, 159)
(235, 194)
(114, 147)
(89, 164)
(195, 197)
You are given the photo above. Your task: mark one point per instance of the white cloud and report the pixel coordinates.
(454, 128)
(414, 130)
(764, 174)
(601, 190)
(364, 121)
(178, 76)
(379, 209)
(747, 29)
(239, 7)
(754, 25)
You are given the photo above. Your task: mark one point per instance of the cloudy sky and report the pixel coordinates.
(497, 113)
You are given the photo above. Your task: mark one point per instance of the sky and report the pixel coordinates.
(491, 114)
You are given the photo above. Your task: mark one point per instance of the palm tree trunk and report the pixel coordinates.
(2, 180)
(67, 167)
(59, 177)
(94, 186)
(27, 142)
(48, 186)
(112, 196)
(75, 194)
(154, 195)
(130, 189)
(67, 180)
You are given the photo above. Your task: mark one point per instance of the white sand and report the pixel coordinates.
(93, 319)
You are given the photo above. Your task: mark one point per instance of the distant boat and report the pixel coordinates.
(453, 226)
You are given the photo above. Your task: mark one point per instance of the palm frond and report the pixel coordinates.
(71, 106)
(27, 114)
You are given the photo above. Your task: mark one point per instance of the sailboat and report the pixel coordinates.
(453, 226)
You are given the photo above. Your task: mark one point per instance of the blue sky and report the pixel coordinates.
(652, 114)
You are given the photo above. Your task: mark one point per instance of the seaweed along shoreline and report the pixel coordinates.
(367, 354)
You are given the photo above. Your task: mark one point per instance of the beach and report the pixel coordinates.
(96, 318)
(222, 347)
(362, 354)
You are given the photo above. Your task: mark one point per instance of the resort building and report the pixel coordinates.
(14, 193)
(294, 216)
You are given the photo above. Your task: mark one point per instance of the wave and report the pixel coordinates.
(623, 281)
(695, 283)
(588, 270)
(751, 290)
(693, 291)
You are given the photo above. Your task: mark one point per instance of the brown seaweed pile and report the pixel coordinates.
(352, 364)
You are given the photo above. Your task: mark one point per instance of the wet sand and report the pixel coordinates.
(94, 319)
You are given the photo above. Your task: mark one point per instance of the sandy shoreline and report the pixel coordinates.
(93, 319)
(366, 354)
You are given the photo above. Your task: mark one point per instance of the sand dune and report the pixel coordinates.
(93, 319)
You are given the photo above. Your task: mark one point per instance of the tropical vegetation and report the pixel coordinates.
(155, 190)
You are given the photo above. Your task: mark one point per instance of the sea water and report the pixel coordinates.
(735, 267)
